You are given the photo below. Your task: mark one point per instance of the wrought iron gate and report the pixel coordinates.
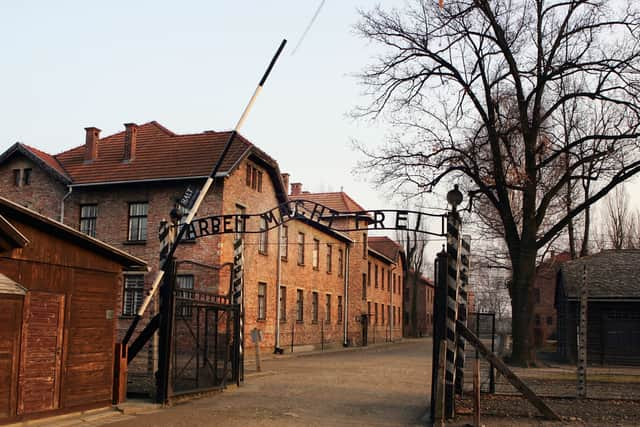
(484, 326)
(205, 353)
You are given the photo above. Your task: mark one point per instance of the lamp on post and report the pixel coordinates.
(454, 197)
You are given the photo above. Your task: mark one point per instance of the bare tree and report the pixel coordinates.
(620, 223)
(442, 82)
(413, 245)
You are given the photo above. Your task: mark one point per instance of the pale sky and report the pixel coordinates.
(192, 66)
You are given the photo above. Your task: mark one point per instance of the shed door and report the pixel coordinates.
(622, 342)
(41, 352)
(10, 321)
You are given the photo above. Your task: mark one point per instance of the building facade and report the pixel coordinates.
(304, 283)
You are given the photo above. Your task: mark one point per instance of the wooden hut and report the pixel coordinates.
(613, 308)
(58, 294)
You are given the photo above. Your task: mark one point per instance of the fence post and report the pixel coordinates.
(439, 324)
(582, 337)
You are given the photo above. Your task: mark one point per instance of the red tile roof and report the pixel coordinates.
(385, 246)
(48, 159)
(339, 201)
(160, 154)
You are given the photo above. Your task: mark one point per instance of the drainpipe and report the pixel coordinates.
(66, 196)
(277, 293)
(345, 318)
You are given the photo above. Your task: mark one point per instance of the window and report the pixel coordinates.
(340, 261)
(184, 284)
(327, 309)
(16, 177)
(364, 245)
(382, 313)
(364, 286)
(283, 303)
(133, 291)
(339, 308)
(382, 279)
(394, 283)
(369, 273)
(314, 307)
(375, 268)
(537, 320)
(138, 221)
(241, 210)
(536, 295)
(264, 236)
(189, 236)
(88, 215)
(262, 301)
(369, 312)
(315, 255)
(329, 255)
(300, 248)
(389, 281)
(253, 178)
(26, 176)
(389, 320)
(284, 242)
(376, 311)
(299, 305)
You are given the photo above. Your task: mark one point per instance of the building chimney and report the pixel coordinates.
(130, 137)
(296, 188)
(285, 181)
(91, 144)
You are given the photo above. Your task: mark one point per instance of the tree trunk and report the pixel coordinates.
(522, 308)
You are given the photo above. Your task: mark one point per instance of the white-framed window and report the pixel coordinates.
(263, 243)
(315, 256)
(138, 212)
(88, 218)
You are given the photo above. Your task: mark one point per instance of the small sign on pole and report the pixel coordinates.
(256, 337)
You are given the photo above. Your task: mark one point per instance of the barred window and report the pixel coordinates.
(138, 221)
(133, 292)
(88, 217)
(262, 301)
(184, 285)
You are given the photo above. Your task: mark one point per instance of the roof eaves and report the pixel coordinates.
(24, 150)
(133, 262)
(380, 255)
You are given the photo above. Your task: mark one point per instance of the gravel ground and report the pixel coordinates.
(501, 410)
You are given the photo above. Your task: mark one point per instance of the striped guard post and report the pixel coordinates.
(453, 277)
(237, 291)
(465, 255)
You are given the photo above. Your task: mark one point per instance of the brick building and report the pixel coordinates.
(418, 305)
(368, 258)
(119, 188)
(544, 288)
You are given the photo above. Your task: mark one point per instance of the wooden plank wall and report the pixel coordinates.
(11, 321)
(90, 284)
